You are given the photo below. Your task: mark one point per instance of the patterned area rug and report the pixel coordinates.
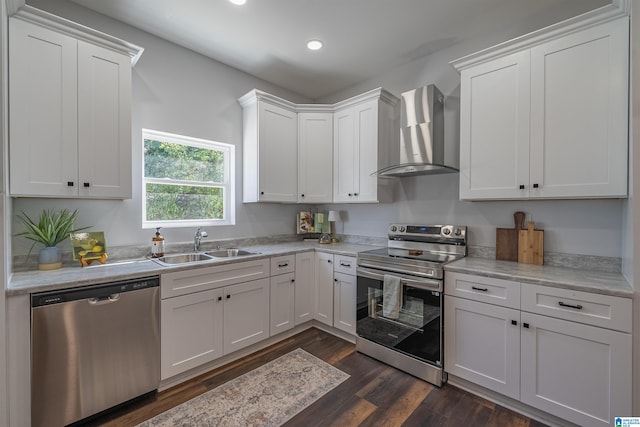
(267, 396)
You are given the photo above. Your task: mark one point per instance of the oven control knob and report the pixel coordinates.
(394, 228)
(446, 231)
(402, 228)
(458, 232)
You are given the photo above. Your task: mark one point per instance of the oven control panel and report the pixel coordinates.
(427, 232)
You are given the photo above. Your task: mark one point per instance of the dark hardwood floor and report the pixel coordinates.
(374, 395)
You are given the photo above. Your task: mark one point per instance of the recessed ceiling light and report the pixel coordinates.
(314, 44)
(238, 2)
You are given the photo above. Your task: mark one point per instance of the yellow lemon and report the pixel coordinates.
(97, 249)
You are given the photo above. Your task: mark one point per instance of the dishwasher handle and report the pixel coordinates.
(104, 300)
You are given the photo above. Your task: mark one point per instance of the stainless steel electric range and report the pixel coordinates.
(400, 295)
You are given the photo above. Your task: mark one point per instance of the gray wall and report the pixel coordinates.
(176, 90)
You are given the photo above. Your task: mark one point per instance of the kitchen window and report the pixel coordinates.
(186, 181)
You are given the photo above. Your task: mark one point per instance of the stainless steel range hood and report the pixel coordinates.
(421, 135)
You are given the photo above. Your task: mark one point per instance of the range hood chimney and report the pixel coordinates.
(421, 135)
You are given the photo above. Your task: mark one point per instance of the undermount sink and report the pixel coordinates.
(183, 258)
(224, 253)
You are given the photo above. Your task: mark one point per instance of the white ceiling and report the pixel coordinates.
(363, 38)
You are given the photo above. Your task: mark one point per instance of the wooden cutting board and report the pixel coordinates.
(507, 239)
(531, 245)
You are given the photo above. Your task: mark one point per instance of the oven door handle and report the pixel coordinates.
(426, 284)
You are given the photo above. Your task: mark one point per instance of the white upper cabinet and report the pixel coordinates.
(270, 154)
(70, 121)
(547, 117)
(317, 153)
(494, 132)
(315, 156)
(362, 134)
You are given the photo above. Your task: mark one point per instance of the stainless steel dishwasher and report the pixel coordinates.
(93, 348)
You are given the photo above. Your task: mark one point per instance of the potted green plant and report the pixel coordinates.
(51, 228)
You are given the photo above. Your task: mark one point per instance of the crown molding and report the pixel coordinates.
(75, 30)
(617, 9)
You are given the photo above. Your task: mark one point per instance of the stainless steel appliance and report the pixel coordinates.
(93, 348)
(422, 148)
(400, 295)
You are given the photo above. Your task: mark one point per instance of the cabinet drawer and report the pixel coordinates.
(501, 292)
(593, 309)
(345, 264)
(283, 264)
(202, 279)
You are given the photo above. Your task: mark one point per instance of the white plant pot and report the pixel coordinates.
(50, 258)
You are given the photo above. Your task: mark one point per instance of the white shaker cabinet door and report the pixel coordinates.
(191, 328)
(282, 296)
(579, 113)
(494, 129)
(315, 157)
(324, 288)
(578, 372)
(44, 111)
(304, 287)
(246, 314)
(104, 122)
(277, 154)
(344, 302)
(482, 344)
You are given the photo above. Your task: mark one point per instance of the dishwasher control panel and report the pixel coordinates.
(96, 291)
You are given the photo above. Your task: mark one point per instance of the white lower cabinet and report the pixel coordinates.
(324, 288)
(344, 302)
(564, 352)
(483, 344)
(246, 314)
(577, 372)
(304, 287)
(335, 291)
(212, 311)
(186, 343)
(282, 303)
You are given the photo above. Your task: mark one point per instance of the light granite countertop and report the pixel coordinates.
(68, 277)
(599, 282)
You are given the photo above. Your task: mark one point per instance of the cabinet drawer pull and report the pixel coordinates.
(521, 187)
(525, 325)
(577, 306)
(475, 288)
(284, 264)
(329, 261)
(219, 298)
(535, 185)
(86, 184)
(293, 280)
(228, 296)
(69, 183)
(514, 322)
(344, 264)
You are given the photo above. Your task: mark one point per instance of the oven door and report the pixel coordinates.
(417, 331)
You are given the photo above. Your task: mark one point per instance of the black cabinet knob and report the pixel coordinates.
(219, 298)
(535, 185)
(350, 194)
(293, 280)
(525, 325)
(329, 261)
(355, 194)
(514, 322)
(85, 185)
(302, 195)
(521, 187)
(69, 183)
(262, 193)
(228, 296)
(335, 280)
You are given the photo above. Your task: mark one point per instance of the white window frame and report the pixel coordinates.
(228, 185)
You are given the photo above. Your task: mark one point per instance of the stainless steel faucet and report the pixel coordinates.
(200, 233)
